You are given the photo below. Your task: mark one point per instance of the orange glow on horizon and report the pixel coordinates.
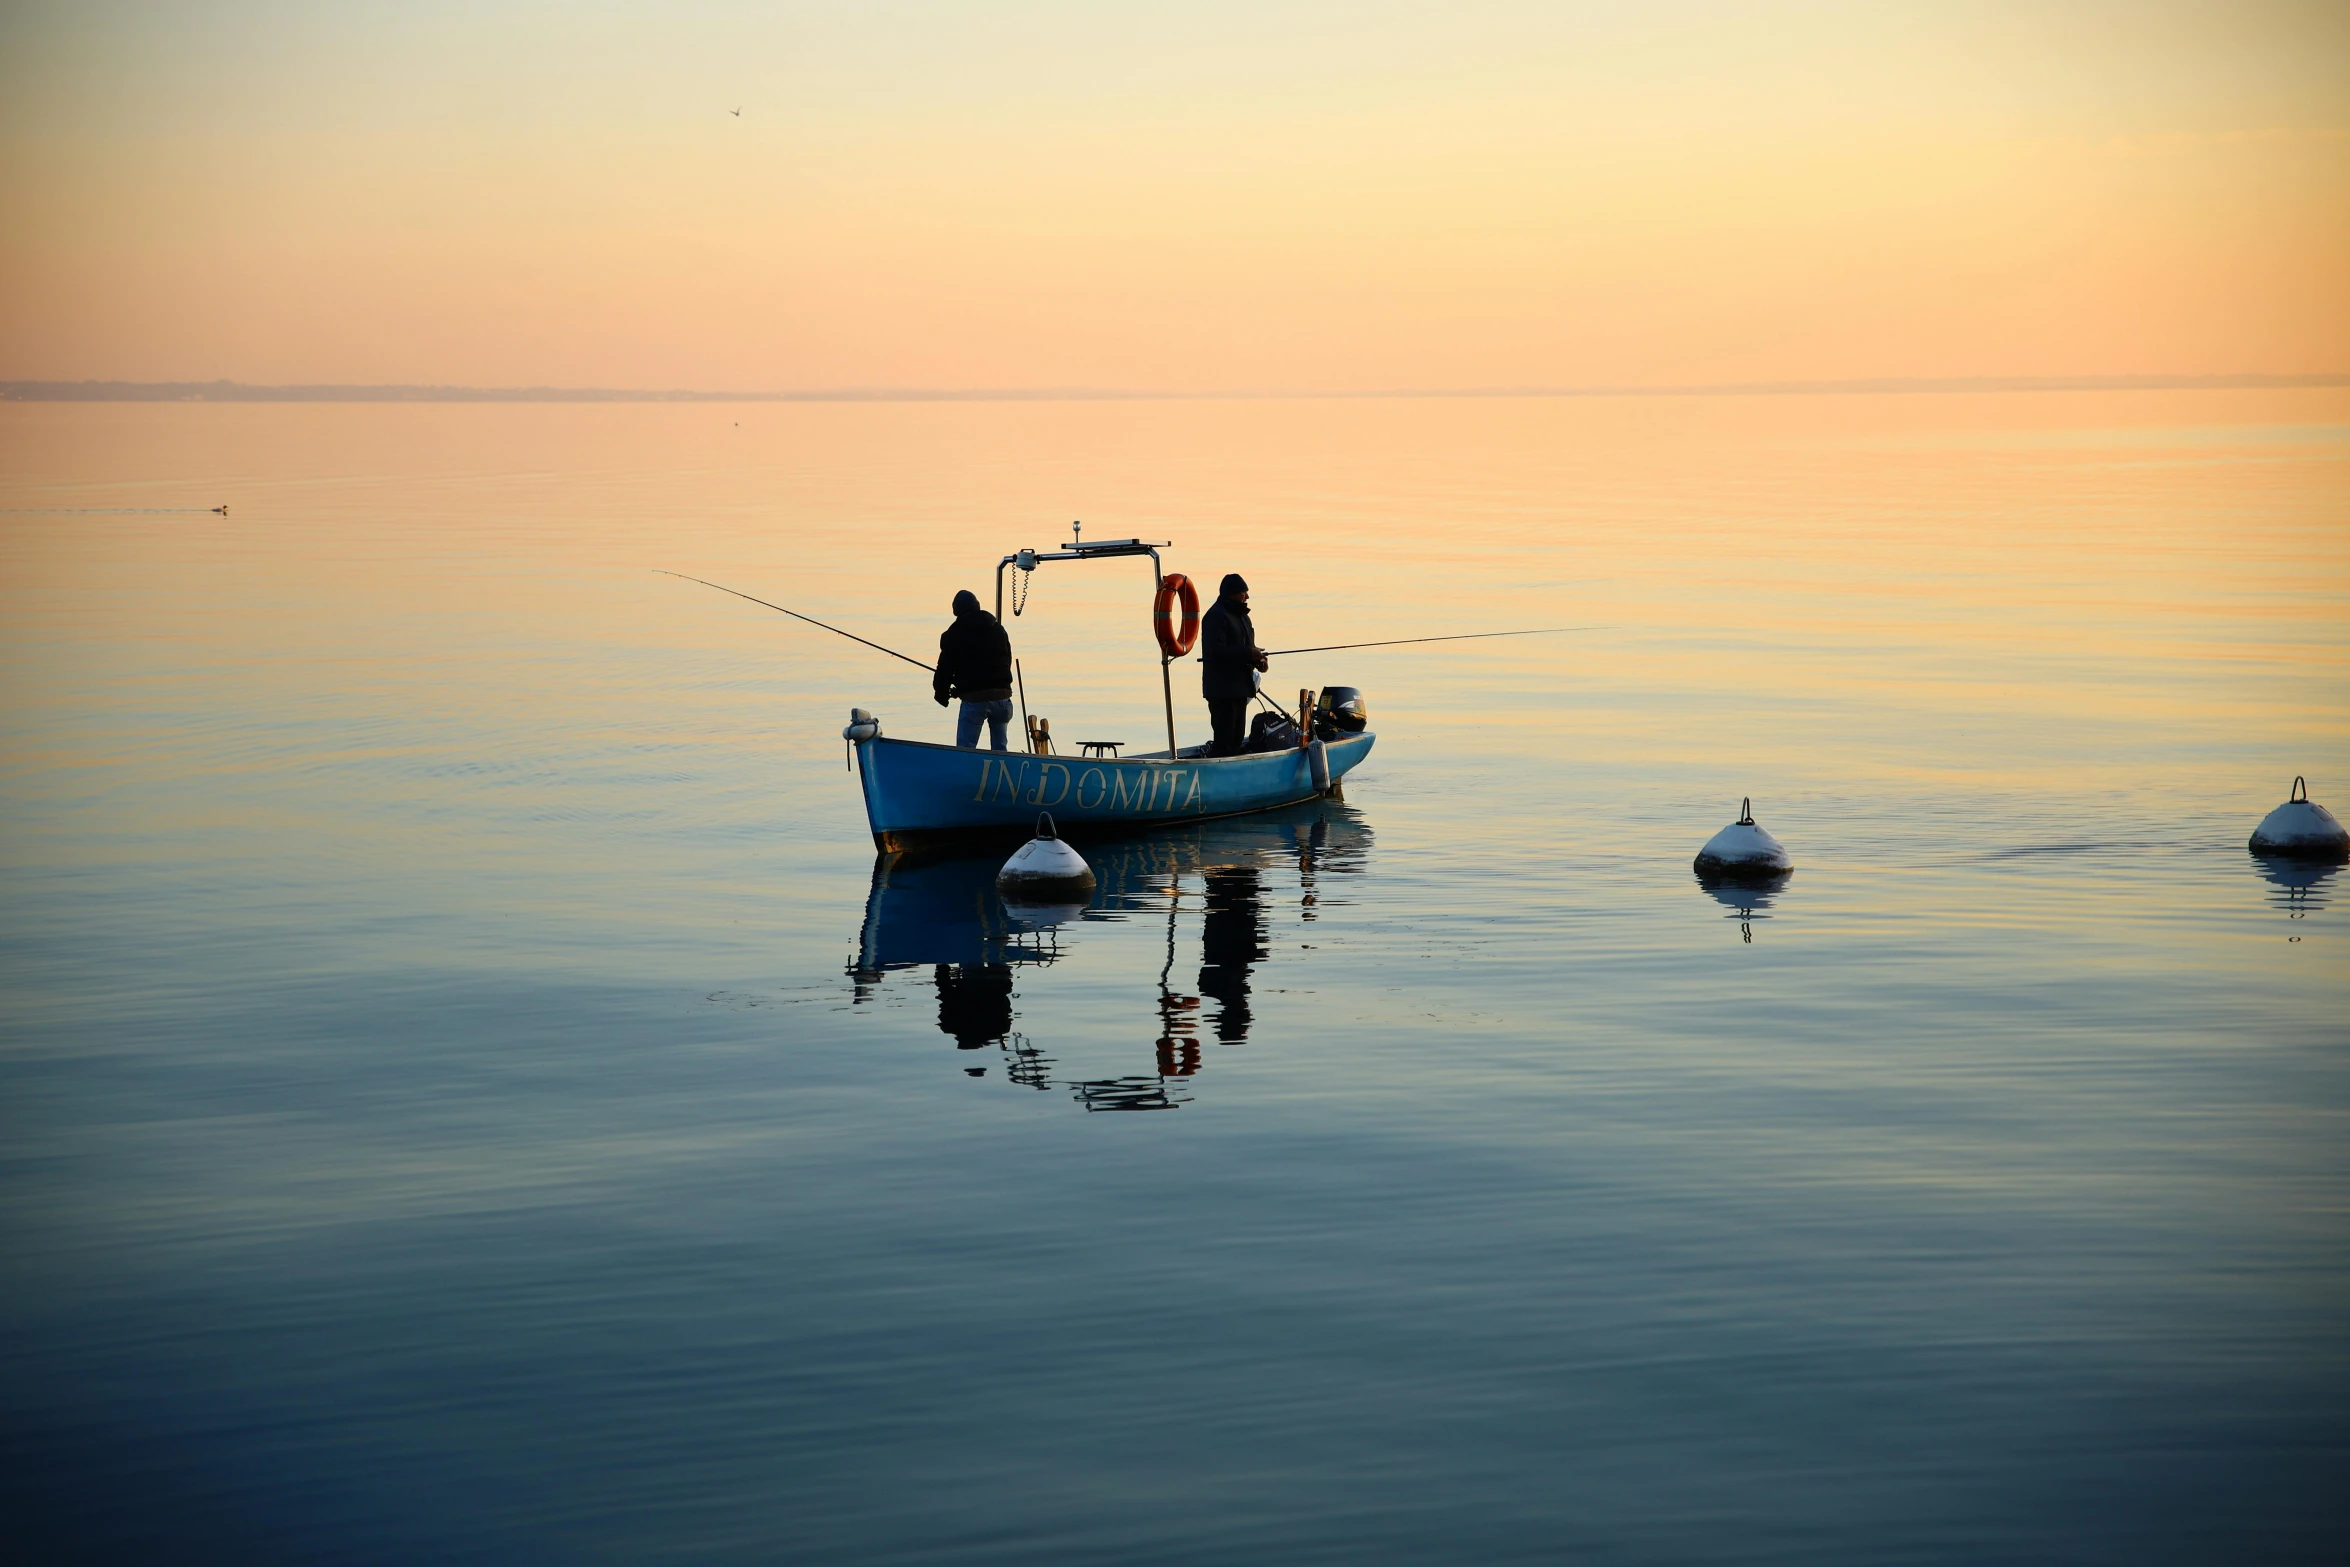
(1049, 196)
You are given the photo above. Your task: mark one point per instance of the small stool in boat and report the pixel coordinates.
(1108, 748)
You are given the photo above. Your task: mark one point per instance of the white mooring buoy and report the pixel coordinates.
(2301, 829)
(1045, 870)
(1743, 849)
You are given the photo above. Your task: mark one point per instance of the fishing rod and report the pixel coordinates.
(1466, 636)
(796, 615)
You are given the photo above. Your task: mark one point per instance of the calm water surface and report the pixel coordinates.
(471, 1094)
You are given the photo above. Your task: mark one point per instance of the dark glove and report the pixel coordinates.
(1263, 663)
(942, 697)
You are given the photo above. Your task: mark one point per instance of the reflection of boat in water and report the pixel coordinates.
(941, 911)
(944, 915)
(2299, 886)
(1746, 896)
(1130, 1093)
(974, 1003)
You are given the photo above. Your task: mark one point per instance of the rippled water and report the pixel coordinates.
(471, 1093)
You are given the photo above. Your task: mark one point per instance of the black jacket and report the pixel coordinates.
(974, 656)
(1227, 652)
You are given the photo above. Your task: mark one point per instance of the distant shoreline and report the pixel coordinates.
(238, 392)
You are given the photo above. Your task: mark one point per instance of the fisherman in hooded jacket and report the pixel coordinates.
(975, 664)
(1228, 652)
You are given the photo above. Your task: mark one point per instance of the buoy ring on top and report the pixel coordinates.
(1172, 641)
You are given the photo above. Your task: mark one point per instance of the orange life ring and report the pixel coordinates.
(1172, 642)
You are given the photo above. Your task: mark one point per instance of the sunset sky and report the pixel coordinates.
(1212, 196)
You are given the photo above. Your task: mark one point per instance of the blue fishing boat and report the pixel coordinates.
(920, 795)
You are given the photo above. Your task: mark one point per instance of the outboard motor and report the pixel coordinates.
(1340, 712)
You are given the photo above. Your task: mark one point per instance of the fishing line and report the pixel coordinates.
(796, 615)
(1466, 636)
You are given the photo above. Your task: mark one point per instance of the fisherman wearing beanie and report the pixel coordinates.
(1228, 654)
(975, 663)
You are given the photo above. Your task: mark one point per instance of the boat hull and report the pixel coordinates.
(920, 795)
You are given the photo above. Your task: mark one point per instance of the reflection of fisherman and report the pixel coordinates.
(974, 1002)
(975, 663)
(1231, 938)
(1228, 652)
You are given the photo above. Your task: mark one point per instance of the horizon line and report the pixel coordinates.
(28, 391)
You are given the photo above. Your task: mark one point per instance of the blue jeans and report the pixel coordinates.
(997, 715)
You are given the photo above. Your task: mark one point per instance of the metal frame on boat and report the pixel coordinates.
(1105, 549)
